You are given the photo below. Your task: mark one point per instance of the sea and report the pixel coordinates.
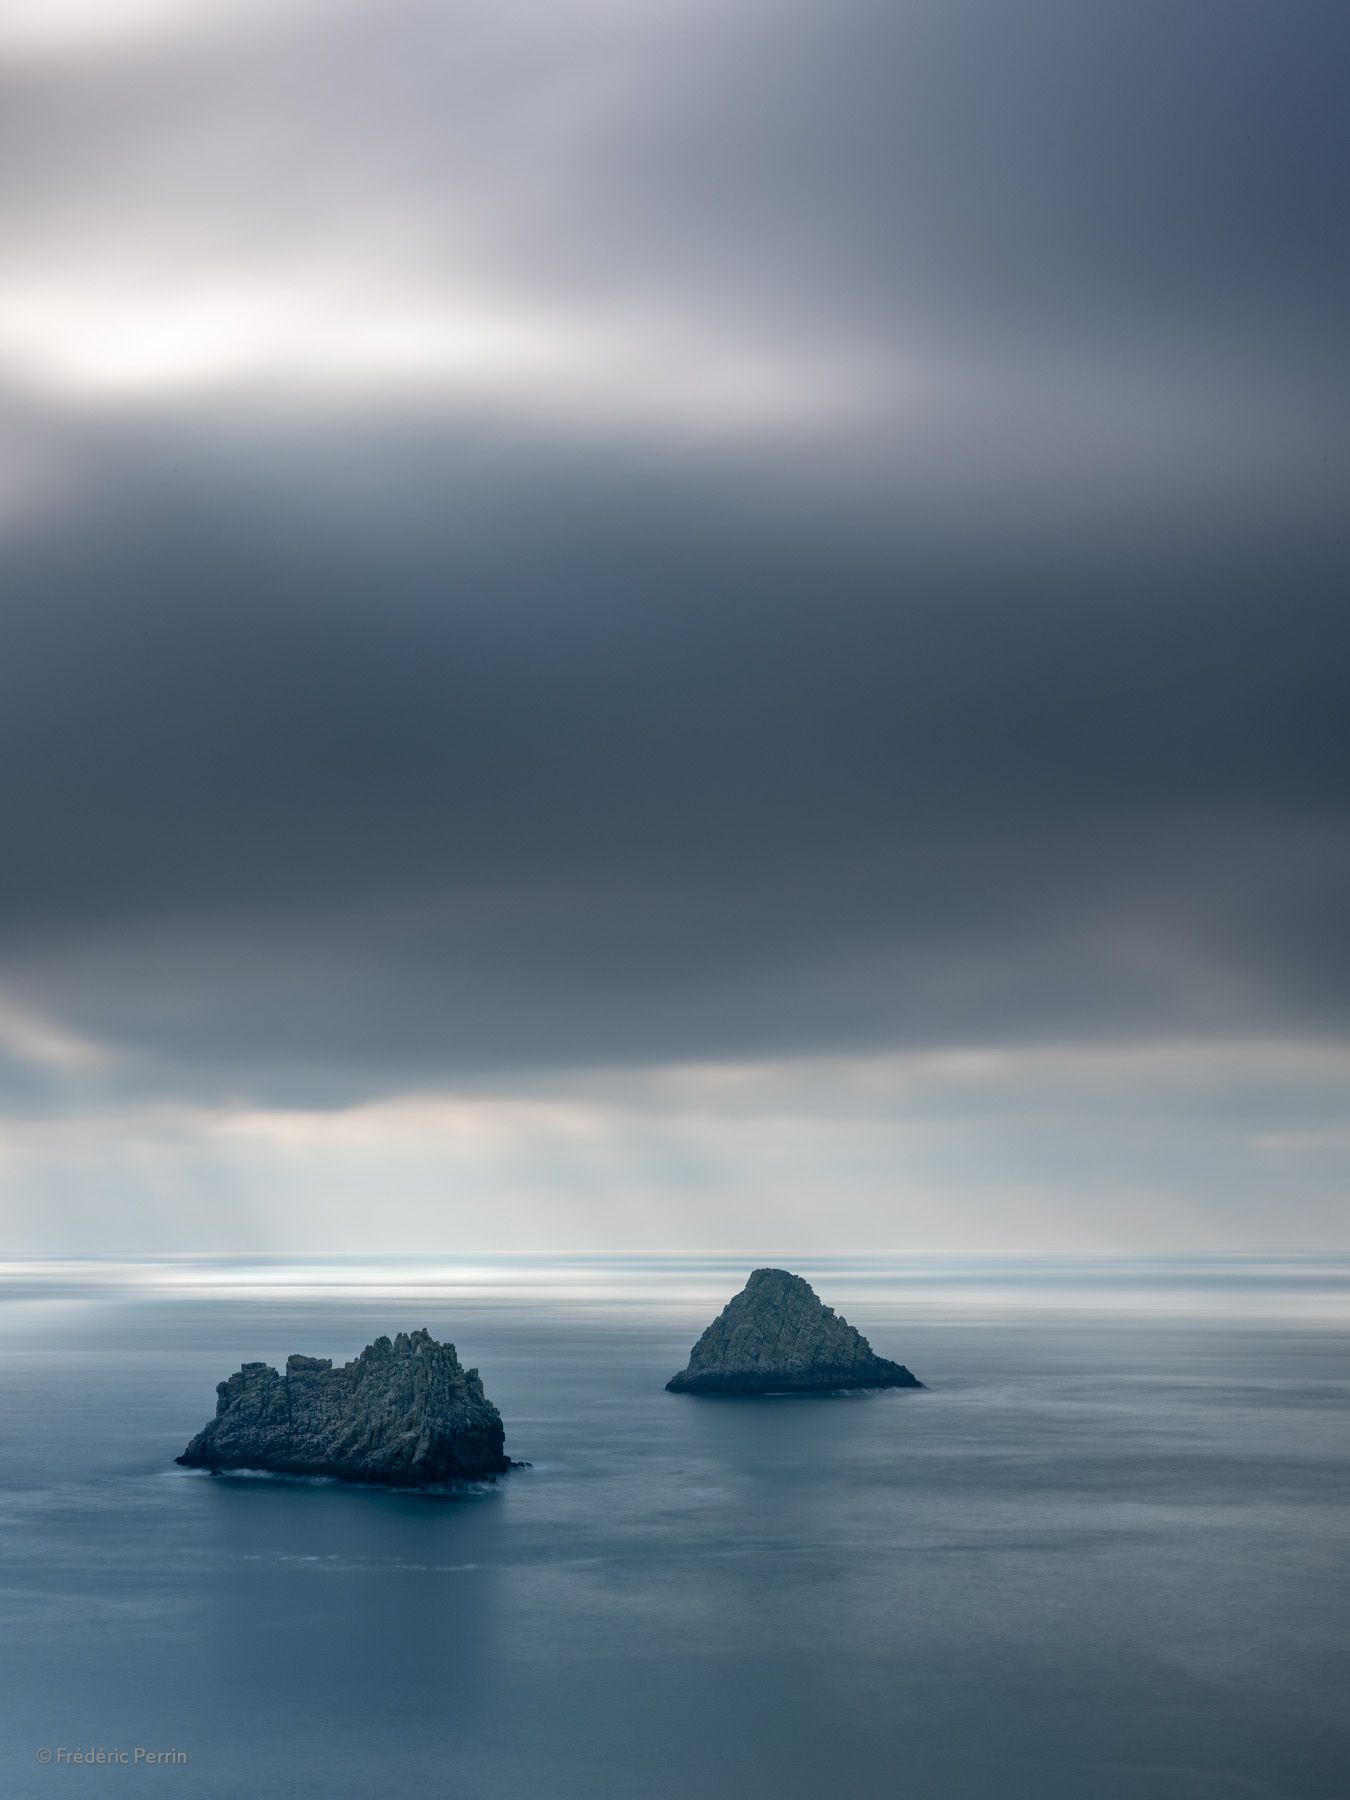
(1103, 1555)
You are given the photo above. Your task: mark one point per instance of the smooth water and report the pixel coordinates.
(1106, 1556)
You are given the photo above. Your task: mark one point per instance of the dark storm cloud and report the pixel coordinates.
(356, 739)
(528, 774)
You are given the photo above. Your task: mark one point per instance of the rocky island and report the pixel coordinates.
(403, 1413)
(777, 1337)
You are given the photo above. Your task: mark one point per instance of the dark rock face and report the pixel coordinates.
(404, 1413)
(776, 1337)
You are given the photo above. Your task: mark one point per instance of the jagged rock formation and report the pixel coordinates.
(404, 1413)
(776, 1337)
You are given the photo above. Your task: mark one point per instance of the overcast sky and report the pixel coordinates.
(658, 624)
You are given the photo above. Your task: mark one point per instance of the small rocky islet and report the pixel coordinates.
(778, 1337)
(404, 1413)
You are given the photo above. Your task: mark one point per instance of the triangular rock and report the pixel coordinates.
(777, 1337)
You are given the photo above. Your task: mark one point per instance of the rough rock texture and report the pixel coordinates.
(404, 1412)
(776, 1337)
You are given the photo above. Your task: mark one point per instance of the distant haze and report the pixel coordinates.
(674, 627)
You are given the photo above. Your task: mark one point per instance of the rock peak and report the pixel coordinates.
(403, 1412)
(778, 1337)
(761, 1279)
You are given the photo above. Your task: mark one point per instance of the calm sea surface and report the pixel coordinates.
(1106, 1556)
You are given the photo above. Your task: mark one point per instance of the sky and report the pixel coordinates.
(674, 626)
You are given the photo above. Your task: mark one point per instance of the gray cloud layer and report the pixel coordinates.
(546, 537)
